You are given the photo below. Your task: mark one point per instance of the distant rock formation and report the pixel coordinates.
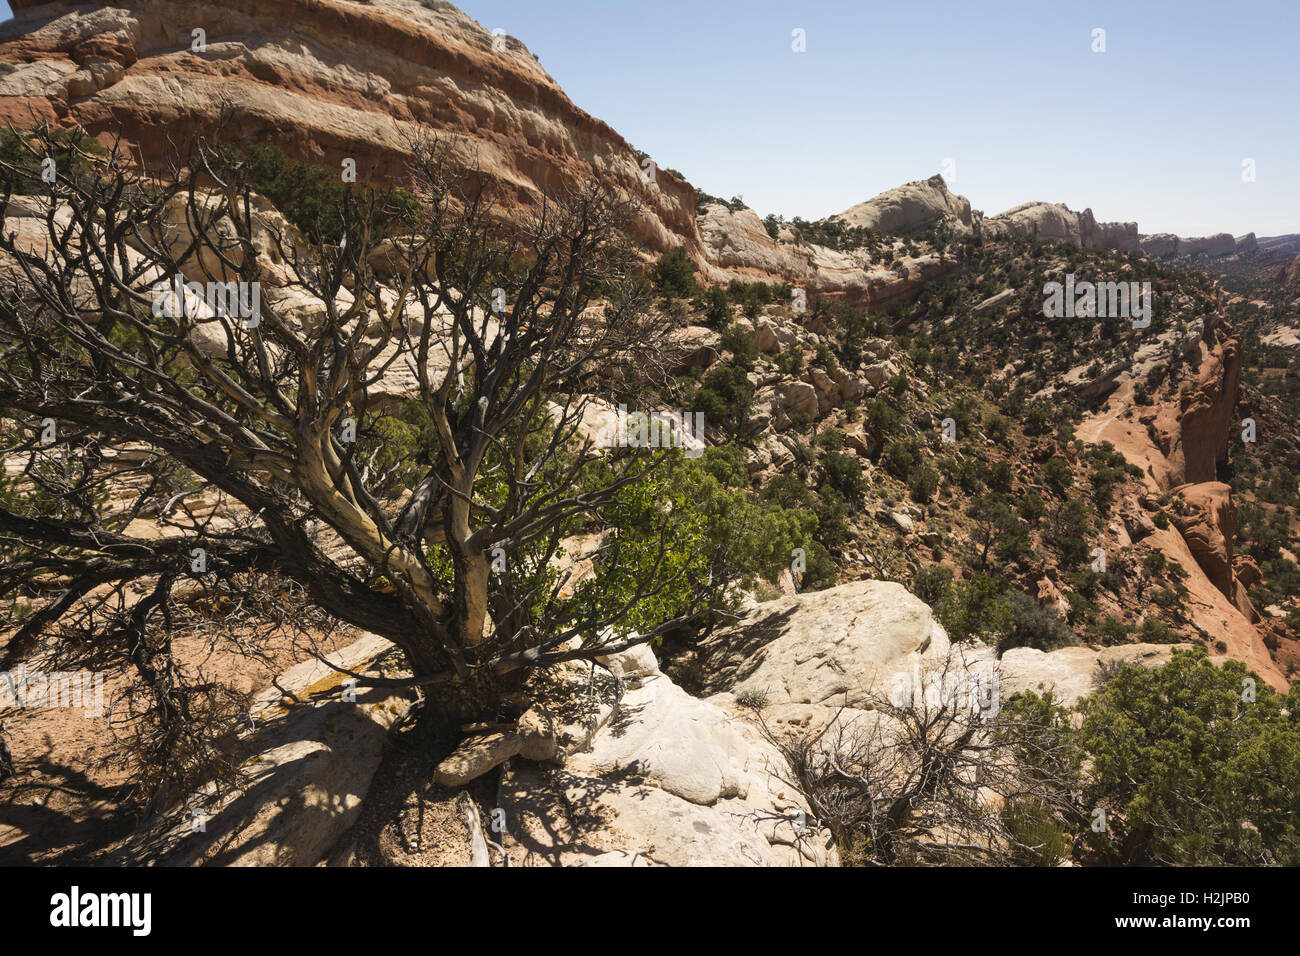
(913, 207)
(1059, 223)
(1164, 245)
(928, 203)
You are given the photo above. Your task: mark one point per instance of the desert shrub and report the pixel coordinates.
(673, 274)
(1195, 764)
(725, 397)
(996, 426)
(1057, 474)
(844, 474)
(1028, 625)
(901, 456)
(737, 340)
(883, 418)
(999, 477)
(973, 610)
(923, 484)
(310, 196)
(831, 511)
(716, 305)
(831, 440)
(931, 584)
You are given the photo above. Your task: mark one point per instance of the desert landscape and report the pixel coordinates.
(401, 469)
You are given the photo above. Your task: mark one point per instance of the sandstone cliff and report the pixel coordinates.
(1167, 246)
(1059, 223)
(325, 80)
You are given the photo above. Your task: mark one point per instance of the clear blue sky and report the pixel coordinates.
(1154, 130)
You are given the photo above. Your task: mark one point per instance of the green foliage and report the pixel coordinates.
(725, 397)
(832, 510)
(901, 456)
(1057, 474)
(23, 153)
(844, 474)
(1190, 770)
(922, 484)
(737, 340)
(884, 419)
(790, 362)
(973, 610)
(696, 521)
(931, 584)
(674, 274)
(716, 305)
(1028, 625)
(996, 426)
(1068, 526)
(312, 197)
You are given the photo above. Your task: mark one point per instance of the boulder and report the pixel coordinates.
(799, 398)
(850, 387)
(812, 653)
(861, 441)
(1072, 672)
(879, 373)
(667, 780)
(819, 655)
(309, 764)
(901, 521)
(993, 301)
(763, 336)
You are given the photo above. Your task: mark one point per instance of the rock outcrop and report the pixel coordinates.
(1194, 431)
(1059, 223)
(810, 657)
(1207, 522)
(1178, 446)
(310, 765)
(912, 207)
(661, 778)
(325, 80)
(1164, 245)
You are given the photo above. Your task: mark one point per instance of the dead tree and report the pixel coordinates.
(934, 772)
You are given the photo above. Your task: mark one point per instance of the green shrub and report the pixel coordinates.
(674, 274)
(1194, 764)
(923, 484)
